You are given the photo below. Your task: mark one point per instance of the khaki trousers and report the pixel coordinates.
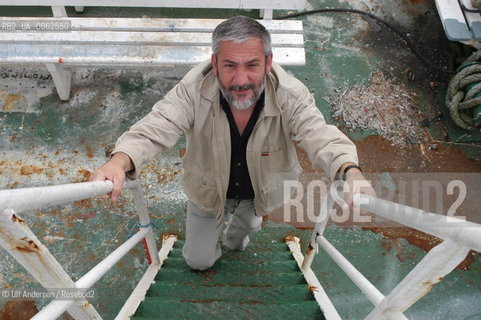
(202, 249)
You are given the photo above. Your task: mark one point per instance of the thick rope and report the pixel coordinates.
(461, 103)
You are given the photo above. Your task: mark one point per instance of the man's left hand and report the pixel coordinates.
(355, 183)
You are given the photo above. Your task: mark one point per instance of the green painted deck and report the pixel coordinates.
(262, 282)
(44, 141)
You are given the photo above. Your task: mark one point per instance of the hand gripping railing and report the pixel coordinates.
(459, 237)
(24, 246)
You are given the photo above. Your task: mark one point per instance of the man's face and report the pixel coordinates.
(241, 69)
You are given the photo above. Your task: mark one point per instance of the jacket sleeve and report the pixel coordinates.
(159, 130)
(327, 147)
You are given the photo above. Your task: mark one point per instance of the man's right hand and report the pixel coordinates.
(114, 170)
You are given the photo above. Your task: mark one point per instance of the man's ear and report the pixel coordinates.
(214, 63)
(268, 63)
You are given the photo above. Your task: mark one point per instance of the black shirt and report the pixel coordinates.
(240, 185)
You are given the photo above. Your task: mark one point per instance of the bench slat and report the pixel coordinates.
(132, 38)
(232, 4)
(104, 55)
(474, 20)
(453, 20)
(156, 25)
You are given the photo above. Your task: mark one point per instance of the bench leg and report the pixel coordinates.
(79, 9)
(267, 14)
(59, 11)
(62, 78)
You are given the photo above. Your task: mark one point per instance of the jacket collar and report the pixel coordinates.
(209, 89)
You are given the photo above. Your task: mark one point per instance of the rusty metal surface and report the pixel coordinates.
(17, 238)
(46, 142)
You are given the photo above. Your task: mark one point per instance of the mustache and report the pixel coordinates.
(242, 88)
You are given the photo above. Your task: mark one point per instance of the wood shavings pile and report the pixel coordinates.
(382, 106)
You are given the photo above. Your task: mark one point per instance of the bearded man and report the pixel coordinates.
(241, 114)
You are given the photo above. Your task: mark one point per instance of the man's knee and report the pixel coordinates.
(249, 225)
(200, 260)
(199, 263)
(255, 224)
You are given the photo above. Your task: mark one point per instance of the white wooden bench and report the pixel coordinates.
(266, 6)
(459, 24)
(64, 42)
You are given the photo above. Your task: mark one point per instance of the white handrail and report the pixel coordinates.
(441, 226)
(371, 292)
(459, 237)
(42, 197)
(55, 308)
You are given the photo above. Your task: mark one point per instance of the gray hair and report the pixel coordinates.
(240, 29)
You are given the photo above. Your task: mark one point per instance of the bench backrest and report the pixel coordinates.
(266, 6)
(132, 41)
(224, 4)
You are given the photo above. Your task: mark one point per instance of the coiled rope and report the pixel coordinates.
(461, 97)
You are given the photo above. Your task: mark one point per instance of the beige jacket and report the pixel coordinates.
(192, 108)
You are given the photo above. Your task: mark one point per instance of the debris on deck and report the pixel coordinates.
(381, 105)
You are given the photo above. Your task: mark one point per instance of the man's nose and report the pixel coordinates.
(241, 77)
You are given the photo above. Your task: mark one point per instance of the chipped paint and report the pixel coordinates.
(16, 94)
(430, 284)
(16, 218)
(181, 152)
(291, 239)
(28, 170)
(25, 249)
(309, 249)
(85, 173)
(313, 288)
(9, 100)
(19, 310)
(167, 236)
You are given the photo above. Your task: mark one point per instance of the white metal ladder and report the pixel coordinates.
(459, 237)
(17, 238)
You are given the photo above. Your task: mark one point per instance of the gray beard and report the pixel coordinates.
(243, 104)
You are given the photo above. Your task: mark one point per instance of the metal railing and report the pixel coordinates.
(17, 238)
(459, 237)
